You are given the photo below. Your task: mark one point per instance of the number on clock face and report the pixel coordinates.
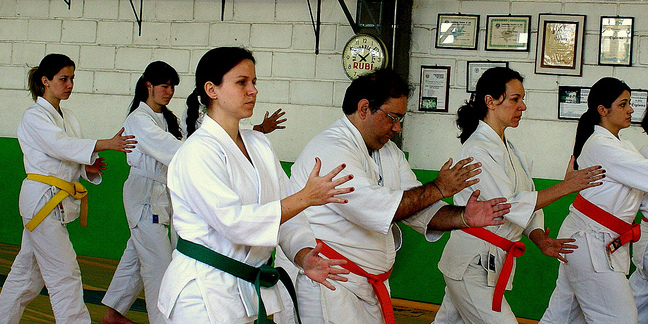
(363, 54)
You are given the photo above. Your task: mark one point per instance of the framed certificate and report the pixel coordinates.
(476, 69)
(615, 45)
(560, 44)
(435, 87)
(572, 102)
(457, 31)
(507, 33)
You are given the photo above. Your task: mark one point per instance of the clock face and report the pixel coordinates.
(363, 54)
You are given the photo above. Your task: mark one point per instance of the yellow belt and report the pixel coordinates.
(74, 189)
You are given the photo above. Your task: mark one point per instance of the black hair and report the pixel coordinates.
(604, 92)
(157, 73)
(49, 66)
(492, 82)
(212, 67)
(377, 87)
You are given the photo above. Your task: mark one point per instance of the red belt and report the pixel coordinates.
(513, 249)
(627, 232)
(376, 281)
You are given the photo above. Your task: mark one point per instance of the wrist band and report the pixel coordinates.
(434, 183)
(463, 219)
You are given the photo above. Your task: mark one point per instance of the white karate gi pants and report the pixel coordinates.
(318, 304)
(471, 300)
(639, 286)
(145, 259)
(46, 258)
(583, 295)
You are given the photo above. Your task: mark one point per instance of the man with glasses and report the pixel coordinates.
(386, 191)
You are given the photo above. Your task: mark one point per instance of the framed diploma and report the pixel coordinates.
(435, 87)
(615, 45)
(572, 102)
(457, 31)
(476, 69)
(507, 33)
(560, 44)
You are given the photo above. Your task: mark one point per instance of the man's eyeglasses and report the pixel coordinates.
(395, 119)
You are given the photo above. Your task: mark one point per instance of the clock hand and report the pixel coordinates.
(363, 58)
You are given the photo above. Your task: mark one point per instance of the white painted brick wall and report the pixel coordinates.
(271, 35)
(101, 36)
(115, 32)
(294, 65)
(79, 31)
(44, 30)
(97, 57)
(30, 53)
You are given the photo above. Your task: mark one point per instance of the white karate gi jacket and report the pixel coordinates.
(52, 146)
(621, 194)
(362, 229)
(224, 202)
(146, 183)
(640, 247)
(506, 172)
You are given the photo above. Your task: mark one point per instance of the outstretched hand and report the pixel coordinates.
(577, 180)
(319, 269)
(322, 190)
(96, 167)
(454, 179)
(485, 213)
(550, 246)
(122, 143)
(271, 123)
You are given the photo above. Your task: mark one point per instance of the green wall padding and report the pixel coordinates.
(415, 275)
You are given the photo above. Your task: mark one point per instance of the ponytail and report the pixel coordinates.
(603, 93)
(49, 66)
(141, 94)
(193, 107)
(468, 117)
(172, 122)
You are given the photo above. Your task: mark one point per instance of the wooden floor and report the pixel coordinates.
(97, 273)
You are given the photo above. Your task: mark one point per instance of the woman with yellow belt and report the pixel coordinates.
(55, 157)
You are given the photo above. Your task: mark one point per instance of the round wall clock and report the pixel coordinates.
(362, 54)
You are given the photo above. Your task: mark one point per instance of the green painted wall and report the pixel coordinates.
(415, 275)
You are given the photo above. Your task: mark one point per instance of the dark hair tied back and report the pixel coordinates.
(603, 93)
(49, 66)
(492, 82)
(211, 68)
(157, 73)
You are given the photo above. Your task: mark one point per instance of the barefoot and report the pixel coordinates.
(114, 317)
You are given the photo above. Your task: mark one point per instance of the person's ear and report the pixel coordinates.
(363, 108)
(603, 112)
(210, 90)
(149, 86)
(489, 101)
(45, 81)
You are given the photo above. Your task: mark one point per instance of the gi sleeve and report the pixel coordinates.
(46, 136)
(152, 140)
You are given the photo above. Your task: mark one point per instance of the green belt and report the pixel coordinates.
(263, 276)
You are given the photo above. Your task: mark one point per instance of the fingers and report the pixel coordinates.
(500, 213)
(461, 163)
(561, 258)
(447, 165)
(337, 278)
(121, 131)
(327, 284)
(337, 200)
(266, 115)
(572, 160)
(316, 168)
(335, 171)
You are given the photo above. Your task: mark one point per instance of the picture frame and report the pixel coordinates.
(475, 69)
(435, 88)
(560, 44)
(507, 33)
(616, 41)
(457, 31)
(572, 102)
